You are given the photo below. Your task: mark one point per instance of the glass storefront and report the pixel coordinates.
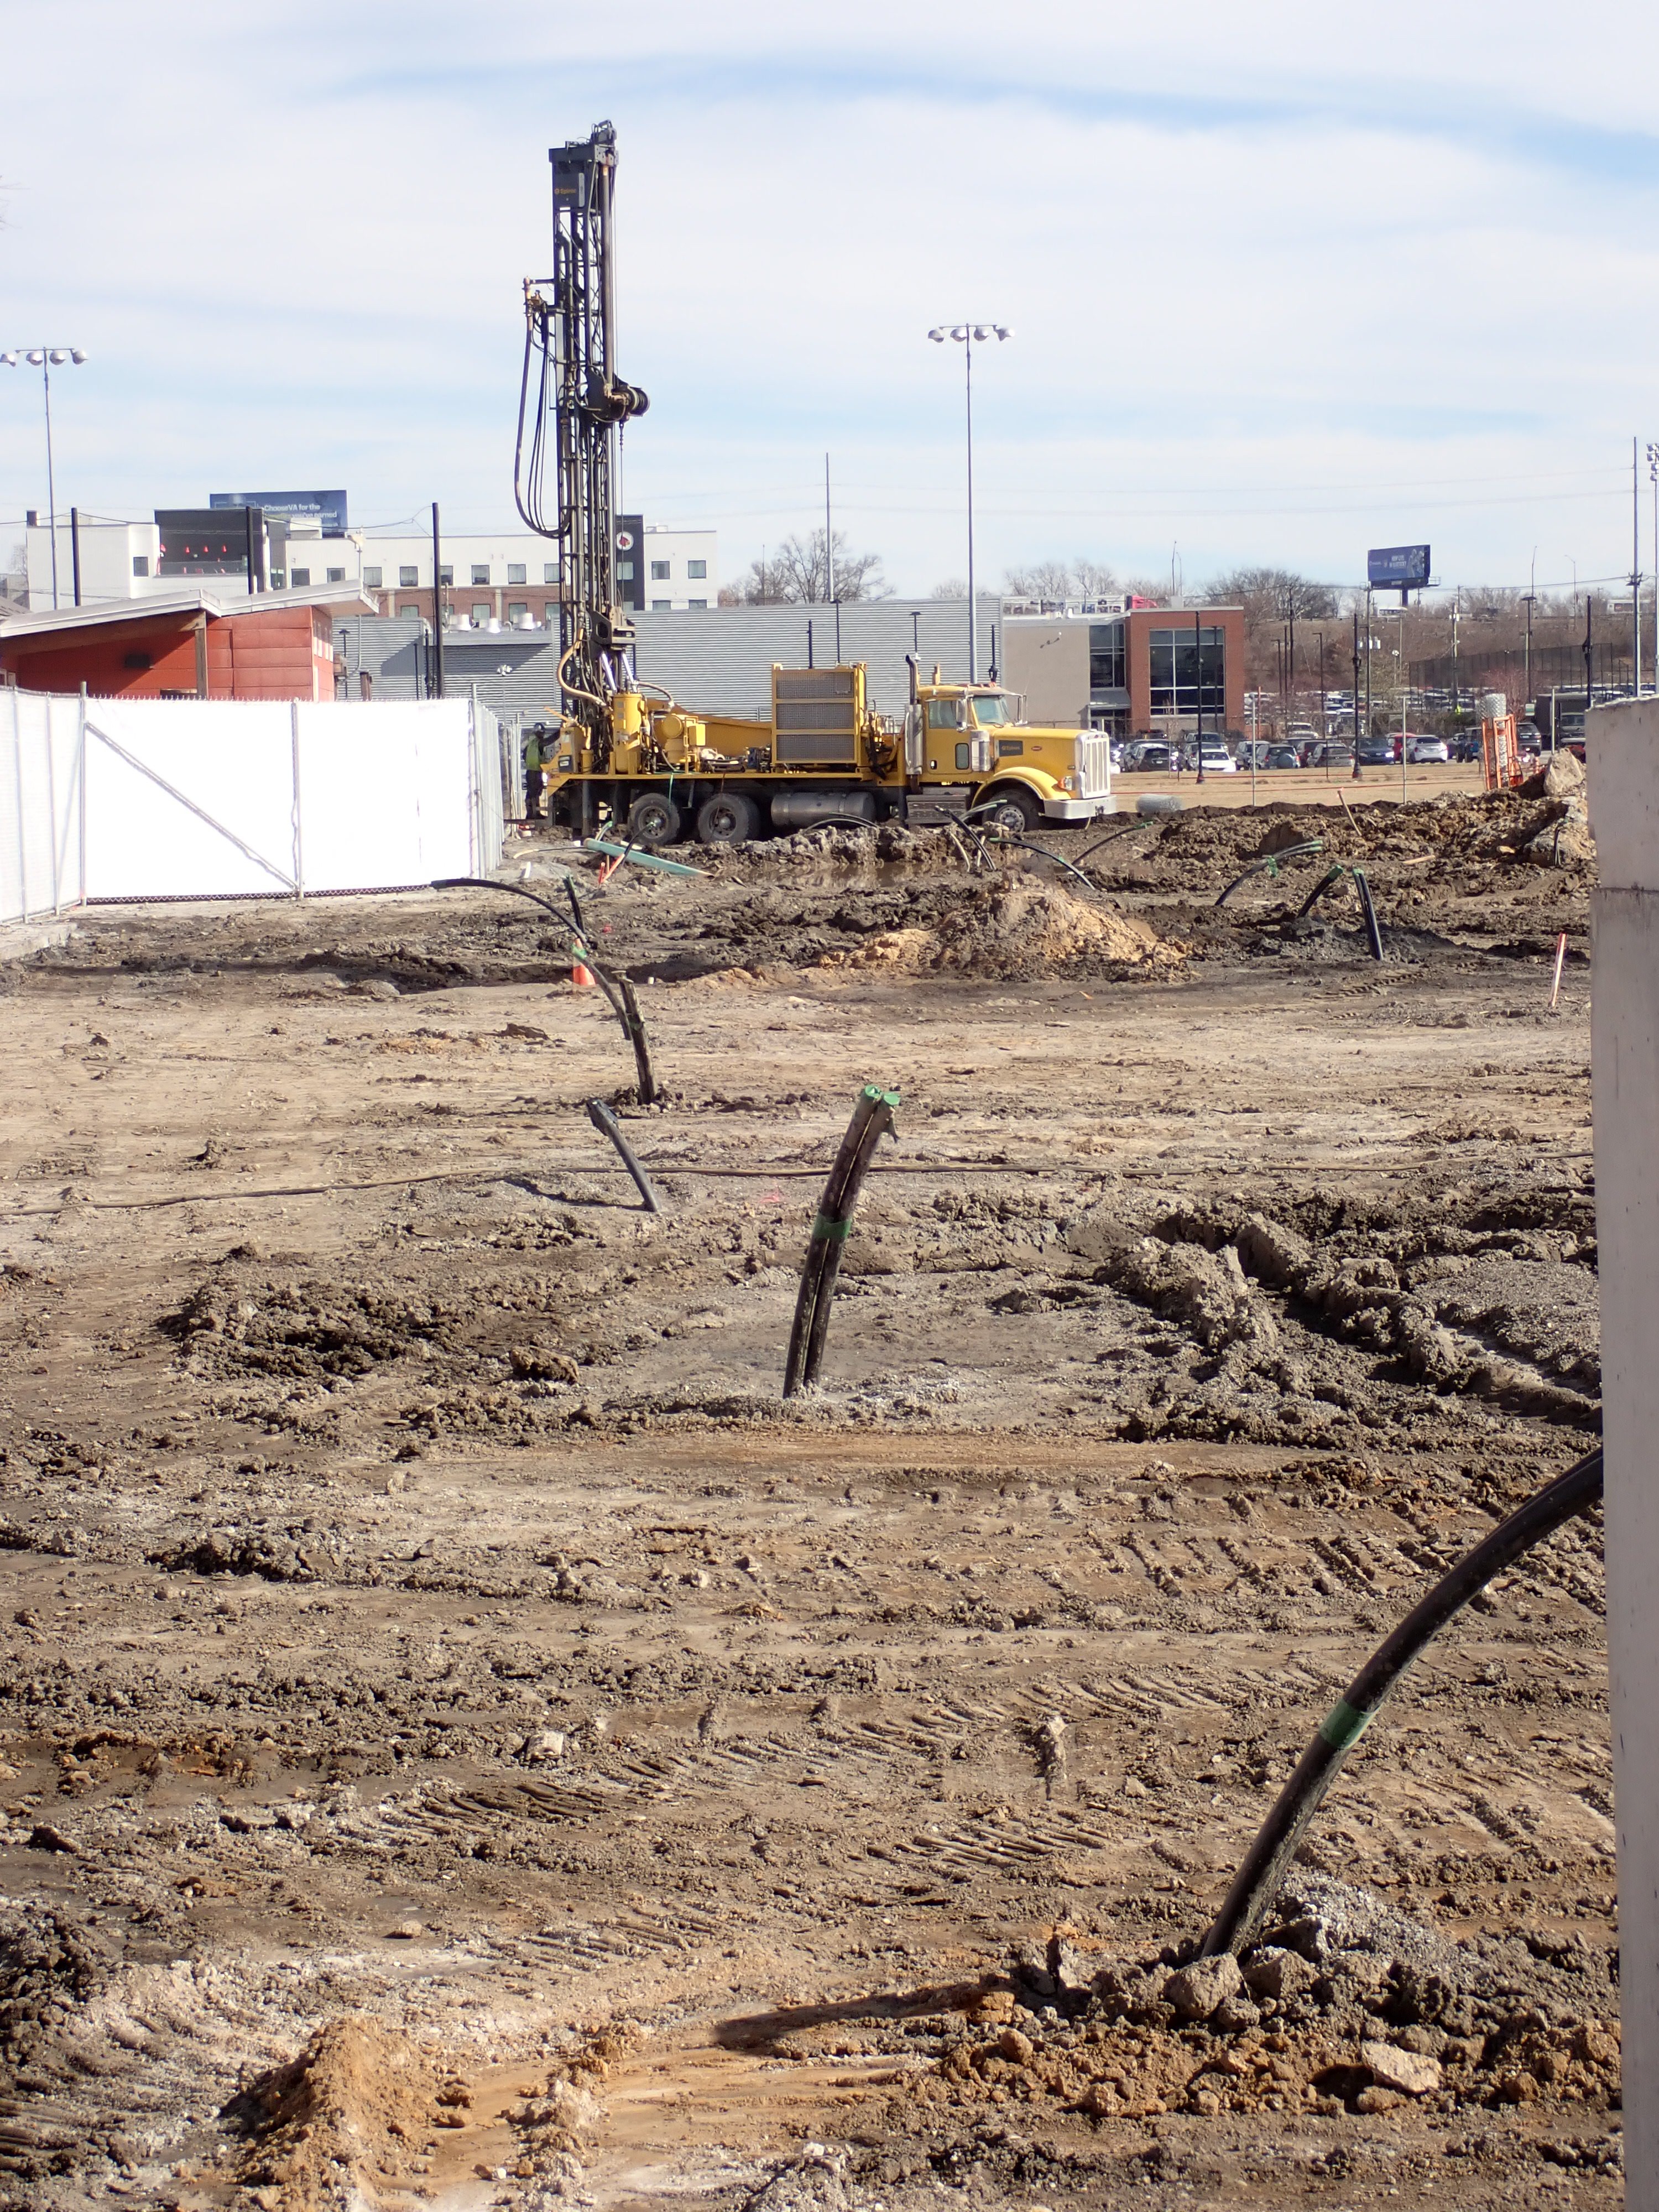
(1179, 684)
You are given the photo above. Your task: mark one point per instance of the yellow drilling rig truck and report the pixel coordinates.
(621, 746)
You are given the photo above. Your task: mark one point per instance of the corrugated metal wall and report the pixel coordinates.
(717, 660)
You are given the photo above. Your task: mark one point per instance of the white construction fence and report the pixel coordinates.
(142, 798)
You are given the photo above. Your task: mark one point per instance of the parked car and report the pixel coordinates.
(1218, 761)
(1423, 750)
(1376, 752)
(1257, 746)
(1302, 735)
(1151, 754)
(1283, 757)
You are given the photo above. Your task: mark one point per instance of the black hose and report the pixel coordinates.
(634, 1023)
(619, 992)
(872, 1115)
(1373, 927)
(1333, 874)
(606, 1122)
(1269, 863)
(1060, 859)
(1257, 1881)
(1126, 829)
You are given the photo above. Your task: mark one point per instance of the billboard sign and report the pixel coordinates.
(326, 507)
(1398, 567)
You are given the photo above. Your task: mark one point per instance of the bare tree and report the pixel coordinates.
(1272, 595)
(953, 587)
(798, 574)
(1081, 579)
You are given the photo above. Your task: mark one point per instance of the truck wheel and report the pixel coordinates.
(730, 818)
(653, 819)
(1012, 810)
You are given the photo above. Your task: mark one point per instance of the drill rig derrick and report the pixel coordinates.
(570, 322)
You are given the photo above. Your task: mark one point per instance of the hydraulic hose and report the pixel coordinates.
(1268, 863)
(873, 1117)
(1256, 1883)
(606, 1123)
(618, 990)
(1334, 875)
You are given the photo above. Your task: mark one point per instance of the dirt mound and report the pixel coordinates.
(357, 2101)
(1014, 928)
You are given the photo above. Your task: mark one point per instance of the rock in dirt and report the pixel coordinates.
(1412, 2073)
(1562, 776)
(1196, 1990)
(1276, 1973)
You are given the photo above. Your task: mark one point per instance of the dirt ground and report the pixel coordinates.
(469, 1741)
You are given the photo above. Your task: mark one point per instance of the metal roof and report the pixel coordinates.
(342, 598)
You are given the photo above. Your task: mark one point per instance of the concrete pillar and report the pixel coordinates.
(1624, 799)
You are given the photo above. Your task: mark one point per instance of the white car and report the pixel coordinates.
(1218, 761)
(1419, 750)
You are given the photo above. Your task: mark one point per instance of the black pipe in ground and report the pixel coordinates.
(872, 1116)
(618, 990)
(1257, 1881)
(606, 1123)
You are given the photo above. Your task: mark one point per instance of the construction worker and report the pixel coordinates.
(537, 751)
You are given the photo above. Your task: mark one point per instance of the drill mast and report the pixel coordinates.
(571, 323)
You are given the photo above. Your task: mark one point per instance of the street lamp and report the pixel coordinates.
(967, 335)
(1653, 473)
(45, 359)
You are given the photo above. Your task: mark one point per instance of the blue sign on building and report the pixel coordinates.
(328, 508)
(1398, 567)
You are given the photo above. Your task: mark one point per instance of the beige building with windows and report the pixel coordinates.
(512, 578)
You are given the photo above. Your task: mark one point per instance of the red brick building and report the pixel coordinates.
(189, 644)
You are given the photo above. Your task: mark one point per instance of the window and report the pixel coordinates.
(991, 712)
(408, 578)
(371, 580)
(696, 603)
(140, 564)
(481, 572)
(337, 575)
(480, 613)
(661, 606)
(659, 572)
(518, 610)
(1107, 659)
(942, 714)
(551, 612)
(277, 580)
(1176, 673)
(549, 572)
(625, 571)
(697, 570)
(298, 577)
(515, 574)
(447, 574)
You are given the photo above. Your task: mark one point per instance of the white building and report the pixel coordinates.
(513, 577)
(508, 578)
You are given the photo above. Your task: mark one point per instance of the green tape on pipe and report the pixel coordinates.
(1343, 1725)
(826, 1231)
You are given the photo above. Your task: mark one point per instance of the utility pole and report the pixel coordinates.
(1457, 612)
(1636, 567)
(1653, 472)
(1198, 676)
(437, 613)
(1323, 731)
(1590, 655)
(829, 539)
(1356, 681)
(1368, 643)
(1531, 600)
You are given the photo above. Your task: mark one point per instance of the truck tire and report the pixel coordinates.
(729, 818)
(1012, 809)
(653, 819)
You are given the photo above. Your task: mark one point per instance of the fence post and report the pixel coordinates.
(299, 838)
(81, 782)
(51, 805)
(17, 778)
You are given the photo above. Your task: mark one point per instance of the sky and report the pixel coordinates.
(1285, 280)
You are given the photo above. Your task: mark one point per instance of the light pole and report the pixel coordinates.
(45, 359)
(967, 335)
(1653, 473)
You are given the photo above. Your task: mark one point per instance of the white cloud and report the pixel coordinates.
(1285, 281)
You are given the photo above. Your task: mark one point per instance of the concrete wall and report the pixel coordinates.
(1049, 663)
(1623, 753)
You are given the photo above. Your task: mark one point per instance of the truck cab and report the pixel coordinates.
(1022, 772)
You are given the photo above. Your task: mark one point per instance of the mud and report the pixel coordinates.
(467, 1741)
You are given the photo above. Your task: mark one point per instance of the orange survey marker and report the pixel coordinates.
(582, 978)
